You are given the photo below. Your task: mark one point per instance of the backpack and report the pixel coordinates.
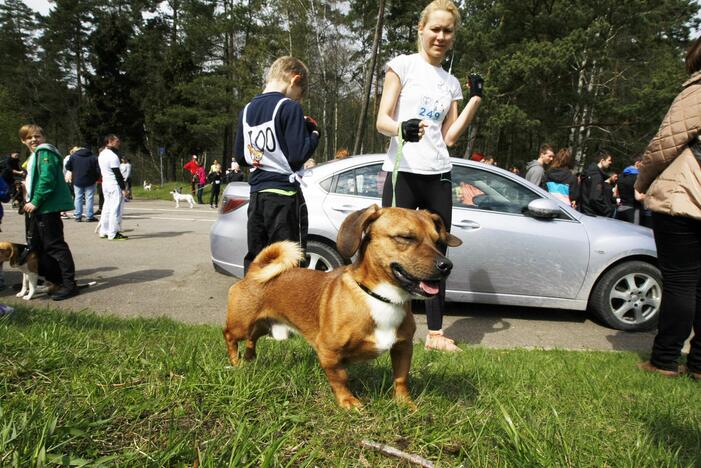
(560, 190)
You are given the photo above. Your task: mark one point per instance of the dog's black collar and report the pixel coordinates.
(375, 295)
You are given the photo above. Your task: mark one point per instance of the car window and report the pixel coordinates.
(365, 181)
(485, 190)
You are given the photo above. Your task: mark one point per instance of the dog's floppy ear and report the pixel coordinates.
(449, 239)
(351, 232)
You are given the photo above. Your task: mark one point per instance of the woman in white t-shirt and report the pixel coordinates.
(419, 111)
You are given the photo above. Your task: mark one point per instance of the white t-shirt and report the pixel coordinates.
(427, 94)
(107, 161)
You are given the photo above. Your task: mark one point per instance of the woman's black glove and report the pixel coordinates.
(475, 82)
(311, 124)
(410, 130)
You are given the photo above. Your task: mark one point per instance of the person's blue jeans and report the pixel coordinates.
(84, 195)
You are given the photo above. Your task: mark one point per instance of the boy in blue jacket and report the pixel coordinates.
(274, 139)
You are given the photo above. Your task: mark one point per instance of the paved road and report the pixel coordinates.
(165, 269)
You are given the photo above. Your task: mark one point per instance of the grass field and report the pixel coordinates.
(162, 192)
(77, 388)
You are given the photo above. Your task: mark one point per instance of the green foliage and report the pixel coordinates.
(175, 74)
(80, 389)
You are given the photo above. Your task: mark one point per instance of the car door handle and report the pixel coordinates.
(345, 208)
(466, 224)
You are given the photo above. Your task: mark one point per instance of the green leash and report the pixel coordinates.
(395, 171)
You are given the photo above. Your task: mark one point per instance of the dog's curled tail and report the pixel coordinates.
(275, 259)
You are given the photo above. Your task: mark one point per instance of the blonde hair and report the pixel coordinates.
(438, 5)
(27, 130)
(287, 67)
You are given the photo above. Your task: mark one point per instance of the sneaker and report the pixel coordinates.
(65, 216)
(78, 220)
(65, 293)
(435, 340)
(647, 366)
(119, 236)
(91, 220)
(103, 236)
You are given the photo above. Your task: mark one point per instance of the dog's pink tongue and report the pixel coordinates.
(429, 288)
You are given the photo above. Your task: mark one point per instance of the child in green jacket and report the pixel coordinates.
(47, 196)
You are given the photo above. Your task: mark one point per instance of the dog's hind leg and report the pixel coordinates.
(260, 328)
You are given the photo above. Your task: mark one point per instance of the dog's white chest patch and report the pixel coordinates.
(388, 318)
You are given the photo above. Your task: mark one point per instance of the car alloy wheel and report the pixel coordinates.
(628, 296)
(322, 257)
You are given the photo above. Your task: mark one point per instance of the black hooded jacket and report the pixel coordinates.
(594, 197)
(84, 167)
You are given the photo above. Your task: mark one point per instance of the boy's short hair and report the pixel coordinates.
(110, 138)
(26, 130)
(285, 68)
(545, 147)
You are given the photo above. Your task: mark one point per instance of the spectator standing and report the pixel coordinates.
(274, 119)
(85, 171)
(215, 179)
(192, 167)
(631, 209)
(48, 195)
(535, 170)
(421, 133)
(342, 153)
(125, 169)
(234, 174)
(201, 179)
(670, 175)
(114, 189)
(12, 172)
(594, 194)
(560, 180)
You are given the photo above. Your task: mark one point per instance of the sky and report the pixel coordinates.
(42, 6)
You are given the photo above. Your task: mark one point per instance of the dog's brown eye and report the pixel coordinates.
(406, 238)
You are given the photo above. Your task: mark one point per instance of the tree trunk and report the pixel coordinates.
(367, 86)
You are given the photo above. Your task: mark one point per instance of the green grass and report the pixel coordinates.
(77, 388)
(162, 192)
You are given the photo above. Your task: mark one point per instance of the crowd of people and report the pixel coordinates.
(419, 112)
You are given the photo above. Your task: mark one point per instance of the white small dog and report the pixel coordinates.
(147, 186)
(178, 197)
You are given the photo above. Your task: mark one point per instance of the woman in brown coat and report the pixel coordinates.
(670, 176)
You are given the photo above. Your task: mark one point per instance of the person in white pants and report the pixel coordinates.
(113, 188)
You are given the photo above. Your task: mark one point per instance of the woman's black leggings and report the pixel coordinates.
(433, 193)
(678, 241)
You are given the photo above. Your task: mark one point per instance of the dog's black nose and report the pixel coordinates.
(444, 265)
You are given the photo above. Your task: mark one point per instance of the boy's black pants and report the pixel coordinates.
(55, 258)
(273, 217)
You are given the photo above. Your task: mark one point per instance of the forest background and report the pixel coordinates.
(170, 77)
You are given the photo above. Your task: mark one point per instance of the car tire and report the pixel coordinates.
(322, 257)
(628, 296)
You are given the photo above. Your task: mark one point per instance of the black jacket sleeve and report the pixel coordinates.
(120, 179)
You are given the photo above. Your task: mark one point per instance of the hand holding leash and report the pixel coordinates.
(476, 84)
(412, 130)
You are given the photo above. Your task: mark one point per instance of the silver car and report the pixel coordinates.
(521, 246)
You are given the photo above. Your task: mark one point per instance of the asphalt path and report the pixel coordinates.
(165, 269)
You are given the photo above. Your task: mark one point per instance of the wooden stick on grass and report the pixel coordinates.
(394, 452)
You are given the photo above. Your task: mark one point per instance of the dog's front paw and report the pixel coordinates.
(28, 297)
(21, 293)
(405, 400)
(350, 402)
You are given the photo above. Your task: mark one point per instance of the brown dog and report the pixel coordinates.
(354, 312)
(10, 252)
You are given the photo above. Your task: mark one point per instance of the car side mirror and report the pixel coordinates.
(543, 208)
